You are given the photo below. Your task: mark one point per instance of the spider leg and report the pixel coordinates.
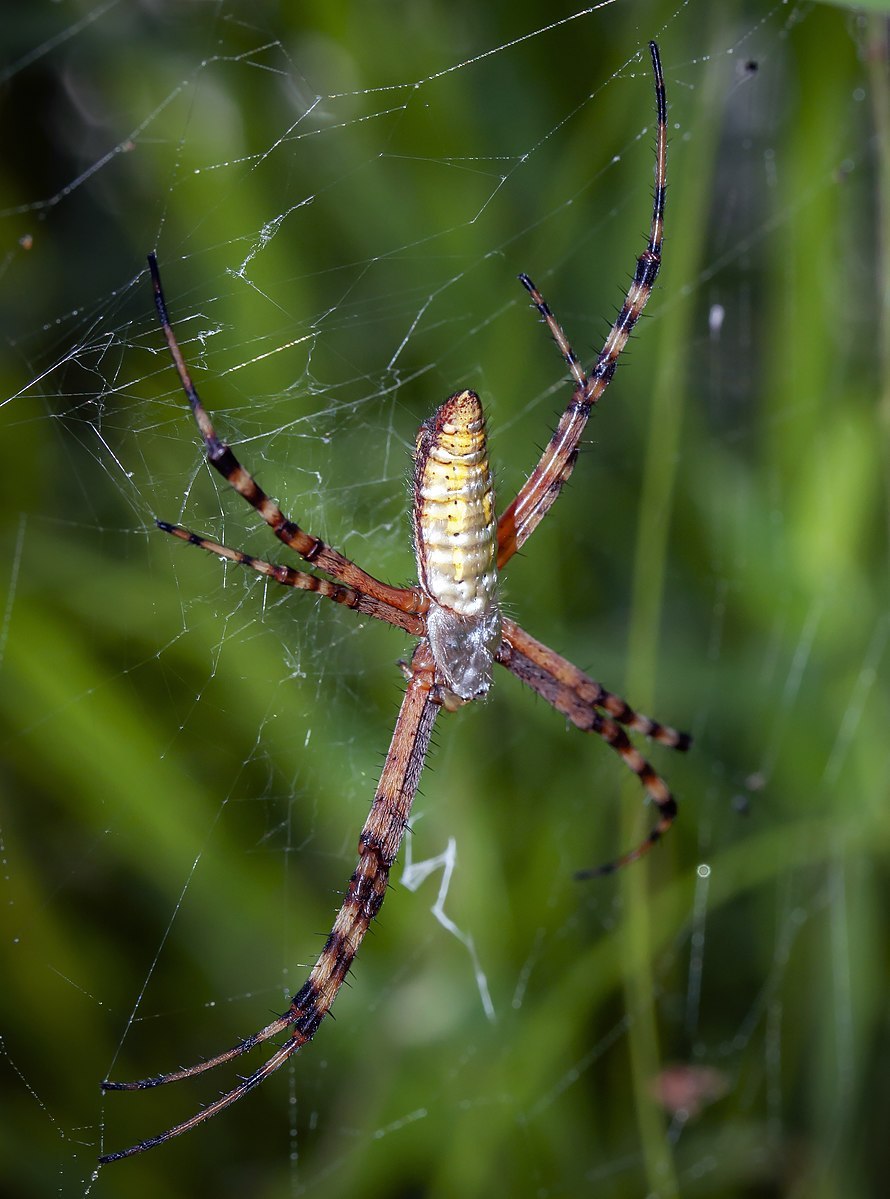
(588, 691)
(556, 332)
(577, 697)
(279, 1025)
(557, 462)
(379, 843)
(238, 1092)
(220, 456)
(304, 581)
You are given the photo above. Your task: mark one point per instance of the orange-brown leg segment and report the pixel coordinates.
(557, 462)
(221, 458)
(588, 692)
(578, 697)
(378, 846)
(304, 581)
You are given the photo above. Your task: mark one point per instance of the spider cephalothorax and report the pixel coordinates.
(461, 548)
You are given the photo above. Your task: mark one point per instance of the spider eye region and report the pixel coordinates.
(455, 540)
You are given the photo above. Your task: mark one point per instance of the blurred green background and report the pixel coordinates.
(188, 755)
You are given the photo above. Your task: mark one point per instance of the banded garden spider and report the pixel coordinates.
(454, 611)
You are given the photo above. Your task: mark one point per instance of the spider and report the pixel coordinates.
(453, 610)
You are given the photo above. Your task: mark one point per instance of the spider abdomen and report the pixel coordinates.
(455, 541)
(455, 531)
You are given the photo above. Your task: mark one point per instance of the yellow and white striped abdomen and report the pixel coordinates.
(455, 531)
(455, 540)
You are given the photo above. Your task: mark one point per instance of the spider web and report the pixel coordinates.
(340, 203)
